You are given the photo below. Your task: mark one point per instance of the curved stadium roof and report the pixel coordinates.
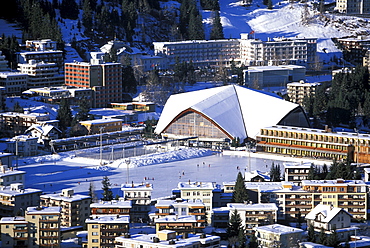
(238, 111)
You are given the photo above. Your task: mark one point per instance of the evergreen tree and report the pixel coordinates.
(129, 81)
(269, 4)
(235, 224)
(92, 193)
(217, 30)
(69, 9)
(87, 16)
(240, 193)
(107, 191)
(253, 243)
(332, 240)
(64, 115)
(322, 237)
(83, 110)
(18, 108)
(195, 30)
(275, 173)
(311, 237)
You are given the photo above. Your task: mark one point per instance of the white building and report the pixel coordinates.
(277, 235)
(167, 239)
(21, 145)
(9, 176)
(13, 82)
(331, 218)
(44, 133)
(353, 6)
(247, 51)
(41, 74)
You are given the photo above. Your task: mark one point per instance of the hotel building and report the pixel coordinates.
(297, 91)
(247, 51)
(104, 78)
(317, 143)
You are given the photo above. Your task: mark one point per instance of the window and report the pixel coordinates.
(94, 226)
(94, 240)
(94, 233)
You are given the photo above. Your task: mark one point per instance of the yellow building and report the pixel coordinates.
(74, 208)
(14, 232)
(44, 226)
(102, 125)
(297, 91)
(104, 229)
(317, 143)
(135, 106)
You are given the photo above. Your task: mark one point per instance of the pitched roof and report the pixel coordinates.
(239, 111)
(43, 129)
(328, 212)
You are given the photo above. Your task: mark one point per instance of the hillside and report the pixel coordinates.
(285, 19)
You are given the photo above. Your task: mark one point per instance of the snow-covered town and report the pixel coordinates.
(185, 123)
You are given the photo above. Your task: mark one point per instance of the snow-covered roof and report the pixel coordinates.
(111, 204)
(239, 111)
(181, 202)
(43, 129)
(43, 210)
(176, 219)
(278, 229)
(248, 176)
(71, 198)
(13, 220)
(248, 207)
(197, 185)
(328, 212)
(109, 219)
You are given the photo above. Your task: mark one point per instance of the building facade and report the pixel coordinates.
(15, 232)
(297, 91)
(246, 51)
(103, 230)
(105, 79)
(44, 226)
(75, 208)
(13, 82)
(9, 175)
(353, 7)
(316, 143)
(102, 125)
(41, 74)
(277, 235)
(13, 123)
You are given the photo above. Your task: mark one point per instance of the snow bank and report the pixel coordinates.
(164, 157)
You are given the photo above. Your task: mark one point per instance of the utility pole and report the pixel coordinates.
(101, 145)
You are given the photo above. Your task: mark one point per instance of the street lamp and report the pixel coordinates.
(101, 145)
(128, 169)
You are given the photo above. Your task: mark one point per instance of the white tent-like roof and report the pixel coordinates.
(240, 112)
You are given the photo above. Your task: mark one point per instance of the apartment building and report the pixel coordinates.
(316, 143)
(297, 91)
(102, 125)
(277, 235)
(121, 208)
(140, 196)
(277, 51)
(180, 215)
(13, 123)
(15, 199)
(41, 74)
(105, 79)
(168, 239)
(103, 230)
(297, 201)
(200, 191)
(354, 48)
(44, 223)
(353, 7)
(13, 82)
(246, 51)
(15, 232)
(74, 208)
(9, 175)
(21, 145)
(55, 94)
(251, 215)
(296, 172)
(202, 53)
